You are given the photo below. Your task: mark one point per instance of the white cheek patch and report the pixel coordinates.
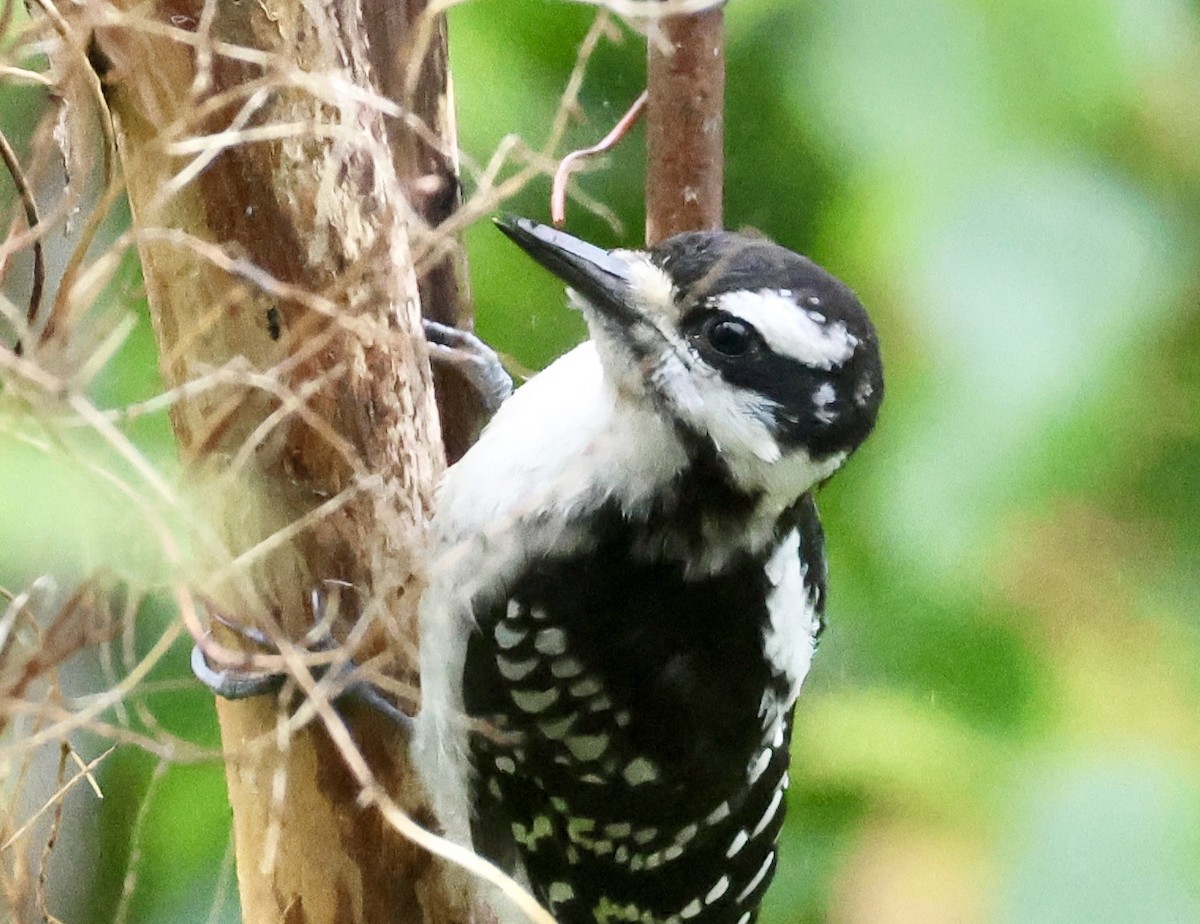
(789, 329)
(738, 422)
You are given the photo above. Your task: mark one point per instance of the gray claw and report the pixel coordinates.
(471, 358)
(231, 683)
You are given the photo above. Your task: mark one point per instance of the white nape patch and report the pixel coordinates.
(824, 397)
(863, 391)
(789, 330)
(791, 631)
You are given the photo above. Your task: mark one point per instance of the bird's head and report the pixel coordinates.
(752, 349)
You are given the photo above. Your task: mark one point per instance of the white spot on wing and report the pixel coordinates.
(769, 814)
(560, 892)
(556, 729)
(759, 767)
(587, 686)
(507, 636)
(565, 668)
(758, 877)
(515, 670)
(587, 747)
(638, 771)
(551, 641)
(720, 813)
(534, 701)
(717, 890)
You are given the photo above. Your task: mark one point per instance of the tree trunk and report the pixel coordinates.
(273, 198)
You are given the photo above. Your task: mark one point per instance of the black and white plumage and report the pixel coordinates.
(628, 579)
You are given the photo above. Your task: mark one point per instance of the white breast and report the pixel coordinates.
(561, 446)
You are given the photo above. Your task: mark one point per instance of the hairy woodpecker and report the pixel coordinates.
(628, 579)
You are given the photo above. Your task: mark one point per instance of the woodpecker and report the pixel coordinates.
(627, 579)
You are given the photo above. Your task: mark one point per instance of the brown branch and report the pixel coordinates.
(685, 124)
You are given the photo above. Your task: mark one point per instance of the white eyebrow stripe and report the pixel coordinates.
(789, 329)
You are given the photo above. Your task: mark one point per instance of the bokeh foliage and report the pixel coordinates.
(1001, 724)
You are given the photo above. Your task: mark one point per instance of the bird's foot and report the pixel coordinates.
(471, 358)
(341, 676)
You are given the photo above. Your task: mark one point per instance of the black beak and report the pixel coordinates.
(601, 278)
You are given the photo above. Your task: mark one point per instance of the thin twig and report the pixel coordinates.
(562, 176)
(85, 773)
(31, 220)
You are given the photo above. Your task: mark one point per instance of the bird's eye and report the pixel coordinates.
(729, 337)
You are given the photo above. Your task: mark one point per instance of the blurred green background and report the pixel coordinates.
(1003, 722)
